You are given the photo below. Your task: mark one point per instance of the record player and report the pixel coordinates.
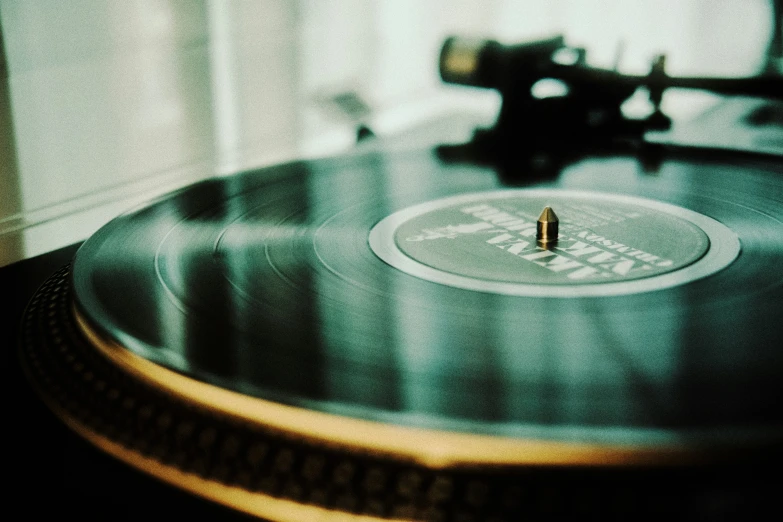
(572, 312)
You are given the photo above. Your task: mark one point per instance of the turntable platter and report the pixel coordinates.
(234, 335)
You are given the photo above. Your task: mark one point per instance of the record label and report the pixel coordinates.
(608, 244)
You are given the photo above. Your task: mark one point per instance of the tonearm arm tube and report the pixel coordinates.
(487, 63)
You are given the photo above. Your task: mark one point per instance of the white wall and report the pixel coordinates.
(112, 101)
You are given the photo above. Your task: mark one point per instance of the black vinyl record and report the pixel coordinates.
(264, 283)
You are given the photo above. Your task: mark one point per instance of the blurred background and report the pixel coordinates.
(106, 103)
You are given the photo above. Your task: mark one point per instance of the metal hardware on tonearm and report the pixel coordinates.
(585, 110)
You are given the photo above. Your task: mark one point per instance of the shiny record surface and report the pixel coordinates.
(264, 283)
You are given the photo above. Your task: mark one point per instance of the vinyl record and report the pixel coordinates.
(399, 308)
